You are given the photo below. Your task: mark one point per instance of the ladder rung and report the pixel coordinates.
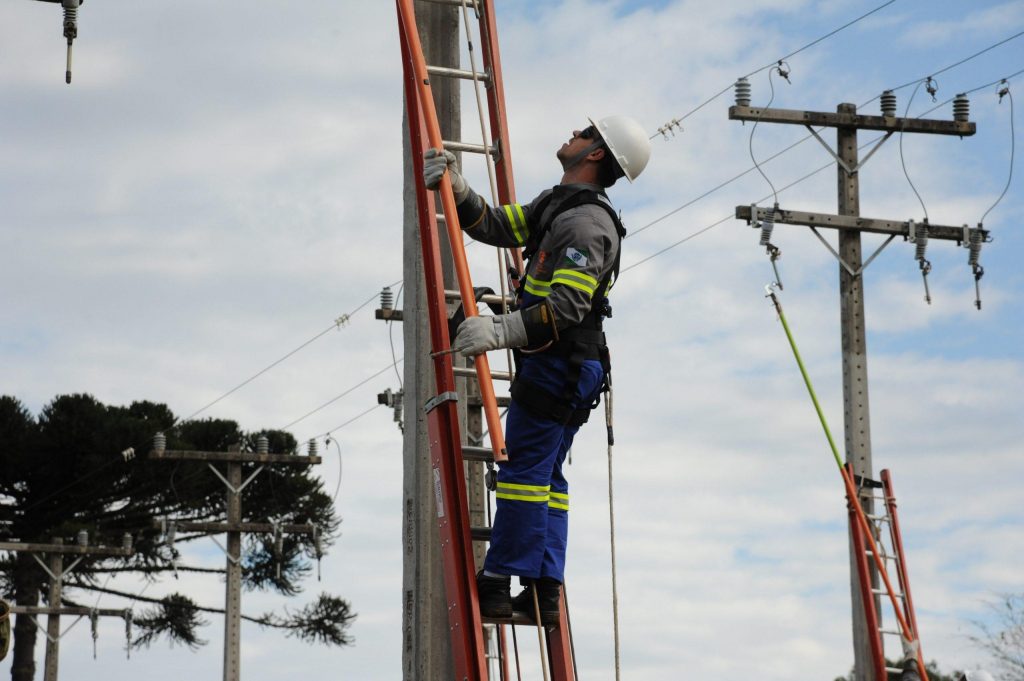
(516, 618)
(469, 372)
(472, 148)
(477, 401)
(454, 3)
(486, 298)
(480, 533)
(885, 556)
(891, 632)
(877, 518)
(457, 73)
(883, 592)
(440, 217)
(474, 453)
(895, 670)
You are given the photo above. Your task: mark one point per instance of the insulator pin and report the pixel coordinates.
(961, 108)
(262, 445)
(387, 299)
(921, 243)
(312, 448)
(126, 541)
(83, 538)
(889, 104)
(742, 92)
(974, 247)
(159, 442)
(767, 225)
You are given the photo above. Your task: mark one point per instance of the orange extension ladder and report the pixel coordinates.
(886, 550)
(447, 453)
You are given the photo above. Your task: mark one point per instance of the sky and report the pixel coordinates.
(218, 186)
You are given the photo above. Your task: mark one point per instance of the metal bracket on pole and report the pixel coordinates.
(437, 400)
(859, 270)
(839, 160)
(229, 485)
(52, 639)
(233, 559)
(60, 577)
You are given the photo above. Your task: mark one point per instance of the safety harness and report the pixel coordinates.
(578, 343)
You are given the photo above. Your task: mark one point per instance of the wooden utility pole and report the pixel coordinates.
(426, 647)
(233, 526)
(856, 414)
(55, 569)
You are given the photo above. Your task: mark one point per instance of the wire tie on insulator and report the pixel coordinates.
(784, 70)
(931, 86)
(1004, 90)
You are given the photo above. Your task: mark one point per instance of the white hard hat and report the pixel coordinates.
(627, 141)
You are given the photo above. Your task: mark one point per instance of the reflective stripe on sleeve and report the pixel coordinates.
(538, 287)
(517, 220)
(559, 501)
(575, 279)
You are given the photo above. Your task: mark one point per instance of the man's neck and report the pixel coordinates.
(579, 175)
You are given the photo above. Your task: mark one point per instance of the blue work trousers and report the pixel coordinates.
(531, 522)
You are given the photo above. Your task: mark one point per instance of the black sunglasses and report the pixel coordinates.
(590, 133)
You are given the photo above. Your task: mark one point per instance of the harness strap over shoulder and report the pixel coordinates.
(585, 341)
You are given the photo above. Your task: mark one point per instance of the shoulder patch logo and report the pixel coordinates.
(576, 256)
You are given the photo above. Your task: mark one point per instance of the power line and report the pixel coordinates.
(958, 63)
(773, 63)
(338, 397)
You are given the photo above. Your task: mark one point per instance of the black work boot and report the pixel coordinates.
(495, 599)
(548, 593)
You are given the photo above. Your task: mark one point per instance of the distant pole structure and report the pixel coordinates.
(233, 526)
(57, 572)
(850, 225)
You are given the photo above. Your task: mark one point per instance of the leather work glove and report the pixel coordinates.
(480, 334)
(435, 163)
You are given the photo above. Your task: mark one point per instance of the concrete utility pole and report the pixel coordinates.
(234, 527)
(856, 419)
(426, 643)
(55, 569)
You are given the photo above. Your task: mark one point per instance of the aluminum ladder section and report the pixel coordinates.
(447, 453)
(885, 528)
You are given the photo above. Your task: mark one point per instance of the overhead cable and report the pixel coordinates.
(338, 397)
(337, 324)
(774, 62)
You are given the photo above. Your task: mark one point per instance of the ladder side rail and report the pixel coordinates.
(415, 59)
(897, 542)
(871, 614)
(469, 655)
(560, 647)
(497, 114)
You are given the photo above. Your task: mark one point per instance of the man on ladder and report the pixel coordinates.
(571, 236)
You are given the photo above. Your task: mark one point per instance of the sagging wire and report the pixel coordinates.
(977, 237)
(919, 235)
(768, 224)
